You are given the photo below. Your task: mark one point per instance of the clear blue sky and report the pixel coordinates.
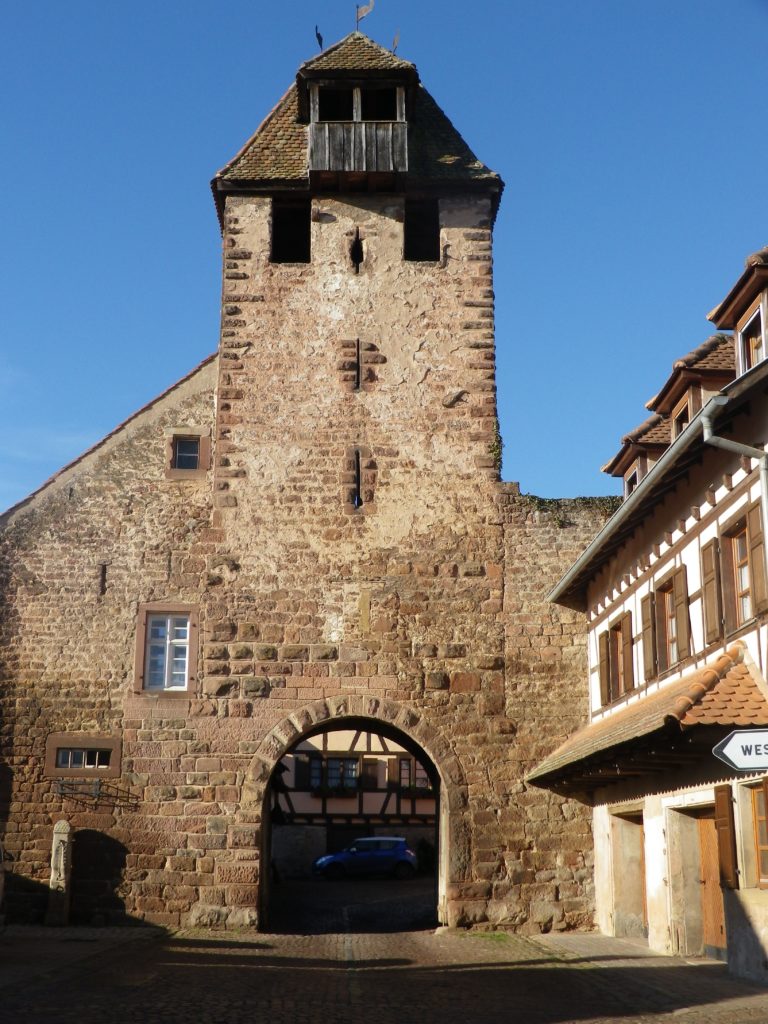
(631, 137)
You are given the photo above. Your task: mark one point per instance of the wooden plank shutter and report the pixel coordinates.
(301, 777)
(626, 652)
(604, 654)
(370, 774)
(680, 597)
(648, 617)
(728, 585)
(710, 591)
(757, 559)
(726, 837)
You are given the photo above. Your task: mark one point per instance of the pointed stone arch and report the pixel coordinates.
(413, 725)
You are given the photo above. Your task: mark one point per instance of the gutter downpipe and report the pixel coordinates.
(709, 437)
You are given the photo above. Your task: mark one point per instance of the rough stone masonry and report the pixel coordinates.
(349, 555)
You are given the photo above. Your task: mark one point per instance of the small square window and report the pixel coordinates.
(187, 452)
(378, 104)
(335, 104)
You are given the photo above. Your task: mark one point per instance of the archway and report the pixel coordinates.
(405, 726)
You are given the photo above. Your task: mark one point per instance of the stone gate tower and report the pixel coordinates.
(307, 531)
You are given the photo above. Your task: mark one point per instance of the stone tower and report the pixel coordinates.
(306, 533)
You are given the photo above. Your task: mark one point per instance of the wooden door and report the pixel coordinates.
(712, 910)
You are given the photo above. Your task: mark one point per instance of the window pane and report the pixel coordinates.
(422, 780)
(186, 452)
(315, 772)
(77, 758)
(334, 772)
(764, 864)
(62, 758)
(405, 772)
(158, 628)
(180, 628)
(102, 759)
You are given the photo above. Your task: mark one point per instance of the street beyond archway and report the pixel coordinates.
(398, 978)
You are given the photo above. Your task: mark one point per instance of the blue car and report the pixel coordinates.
(379, 855)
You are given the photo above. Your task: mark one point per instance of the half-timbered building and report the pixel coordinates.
(674, 587)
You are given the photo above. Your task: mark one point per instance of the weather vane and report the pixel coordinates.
(361, 12)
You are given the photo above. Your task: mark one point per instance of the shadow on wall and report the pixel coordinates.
(98, 864)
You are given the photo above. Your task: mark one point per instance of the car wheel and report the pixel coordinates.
(403, 871)
(334, 872)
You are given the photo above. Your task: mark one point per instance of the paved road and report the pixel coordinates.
(415, 977)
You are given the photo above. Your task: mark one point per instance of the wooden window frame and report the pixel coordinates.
(711, 590)
(671, 609)
(616, 663)
(749, 519)
(174, 434)
(726, 837)
(145, 611)
(754, 792)
(56, 741)
(757, 310)
(357, 100)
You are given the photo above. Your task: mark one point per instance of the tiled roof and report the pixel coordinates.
(652, 433)
(278, 150)
(356, 52)
(727, 691)
(716, 353)
(654, 430)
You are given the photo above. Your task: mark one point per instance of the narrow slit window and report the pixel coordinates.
(291, 231)
(358, 493)
(356, 251)
(358, 365)
(102, 579)
(421, 231)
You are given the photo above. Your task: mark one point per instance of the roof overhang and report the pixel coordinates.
(662, 731)
(685, 451)
(753, 281)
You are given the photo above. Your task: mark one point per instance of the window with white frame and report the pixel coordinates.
(167, 652)
(752, 339)
(166, 648)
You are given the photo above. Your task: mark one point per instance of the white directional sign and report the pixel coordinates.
(746, 750)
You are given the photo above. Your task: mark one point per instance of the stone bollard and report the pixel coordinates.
(61, 870)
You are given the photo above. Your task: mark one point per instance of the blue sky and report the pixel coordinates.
(631, 138)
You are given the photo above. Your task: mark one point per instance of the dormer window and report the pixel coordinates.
(357, 129)
(630, 482)
(681, 420)
(358, 103)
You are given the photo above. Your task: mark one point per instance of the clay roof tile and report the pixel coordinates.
(726, 691)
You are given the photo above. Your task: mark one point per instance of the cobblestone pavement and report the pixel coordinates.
(405, 977)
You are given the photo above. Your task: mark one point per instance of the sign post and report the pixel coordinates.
(746, 750)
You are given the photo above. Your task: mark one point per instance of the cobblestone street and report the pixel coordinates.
(90, 976)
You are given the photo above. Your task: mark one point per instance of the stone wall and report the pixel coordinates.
(423, 609)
